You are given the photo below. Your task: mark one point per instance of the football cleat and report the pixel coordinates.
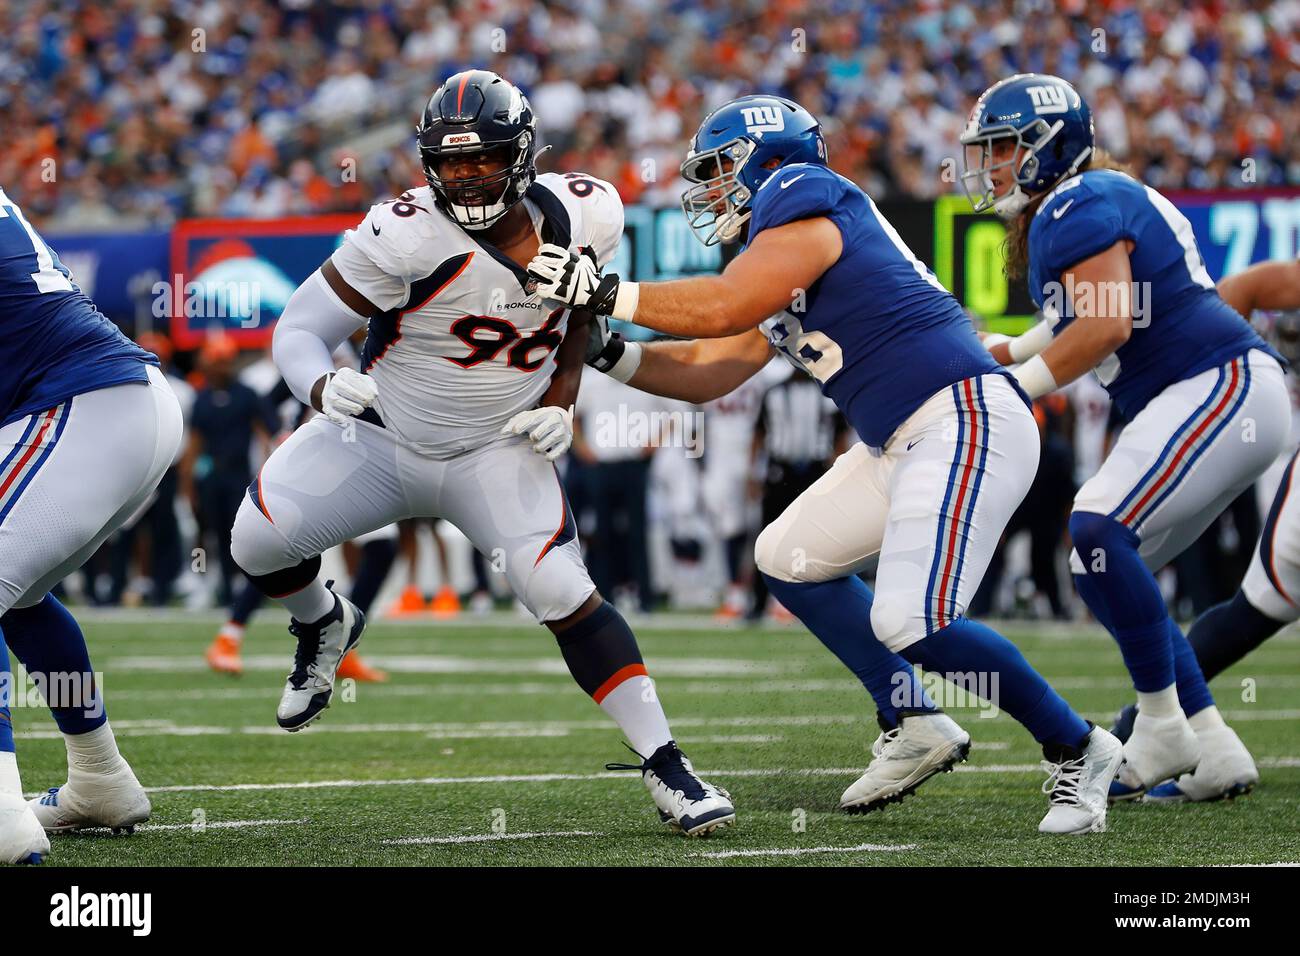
(352, 666)
(1078, 781)
(1226, 770)
(1158, 749)
(903, 757)
(223, 656)
(410, 602)
(114, 800)
(1123, 728)
(686, 803)
(22, 838)
(321, 646)
(446, 603)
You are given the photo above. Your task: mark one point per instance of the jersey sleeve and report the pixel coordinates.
(1076, 225)
(602, 220)
(378, 257)
(800, 191)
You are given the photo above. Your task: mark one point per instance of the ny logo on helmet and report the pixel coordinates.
(1048, 99)
(763, 119)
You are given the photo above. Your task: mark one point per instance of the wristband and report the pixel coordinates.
(1035, 377)
(625, 301)
(1033, 341)
(994, 339)
(627, 363)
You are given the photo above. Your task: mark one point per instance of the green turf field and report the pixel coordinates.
(481, 743)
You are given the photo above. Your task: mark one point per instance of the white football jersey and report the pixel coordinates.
(464, 341)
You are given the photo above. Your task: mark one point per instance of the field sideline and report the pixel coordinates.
(481, 751)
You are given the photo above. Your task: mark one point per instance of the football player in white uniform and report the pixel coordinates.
(465, 374)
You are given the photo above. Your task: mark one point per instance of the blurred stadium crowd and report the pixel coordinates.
(140, 112)
(157, 109)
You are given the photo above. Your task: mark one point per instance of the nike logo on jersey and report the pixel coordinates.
(914, 442)
(1059, 211)
(791, 182)
(375, 228)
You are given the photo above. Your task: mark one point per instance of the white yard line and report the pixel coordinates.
(487, 837)
(800, 851)
(220, 825)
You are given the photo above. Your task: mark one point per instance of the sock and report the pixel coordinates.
(232, 630)
(1158, 703)
(377, 559)
(246, 604)
(94, 751)
(969, 647)
(1228, 632)
(1193, 690)
(602, 655)
(49, 642)
(735, 547)
(9, 780)
(839, 613)
(311, 603)
(1208, 718)
(1123, 594)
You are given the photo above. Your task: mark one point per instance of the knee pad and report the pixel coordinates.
(1094, 535)
(894, 624)
(256, 544)
(774, 557)
(556, 587)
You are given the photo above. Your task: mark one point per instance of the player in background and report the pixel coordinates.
(89, 426)
(1202, 395)
(1267, 600)
(949, 443)
(463, 403)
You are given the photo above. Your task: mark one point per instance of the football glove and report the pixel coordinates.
(550, 429)
(575, 279)
(347, 393)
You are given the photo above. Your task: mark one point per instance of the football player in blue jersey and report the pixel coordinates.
(949, 443)
(89, 425)
(1115, 267)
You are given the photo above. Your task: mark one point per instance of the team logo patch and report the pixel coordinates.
(762, 119)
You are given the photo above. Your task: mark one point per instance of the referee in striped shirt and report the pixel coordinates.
(798, 435)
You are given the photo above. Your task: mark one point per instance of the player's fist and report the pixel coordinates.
(347, 394)
(570, 277)
(550, 429)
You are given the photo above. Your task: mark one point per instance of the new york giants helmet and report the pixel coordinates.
(1051, 127)
(727, 157)
(478, 111)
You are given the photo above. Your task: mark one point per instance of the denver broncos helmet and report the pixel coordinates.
(477, 111)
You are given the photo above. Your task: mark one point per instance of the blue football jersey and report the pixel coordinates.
(54, 343)
(877, 330)
(1185, 327)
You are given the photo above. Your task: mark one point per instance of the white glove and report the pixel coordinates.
(347, 394)
(575, 279)
(550, 429)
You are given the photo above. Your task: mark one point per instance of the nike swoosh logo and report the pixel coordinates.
(375, 228)
(912, 444)
(1059, 211)
(790, 182)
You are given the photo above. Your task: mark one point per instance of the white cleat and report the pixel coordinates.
(321, 646)
(1159, 748)
(1077, 783)
(115, 801)
(22, 838)
(687, 804)
(1226, 770)
(904, 757)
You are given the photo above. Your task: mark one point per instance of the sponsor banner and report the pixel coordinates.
(117, 270)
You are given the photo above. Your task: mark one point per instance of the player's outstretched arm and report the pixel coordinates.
(1102, 322)
(320, 314)
(699, 370)
(777, 266)
(1265, 285)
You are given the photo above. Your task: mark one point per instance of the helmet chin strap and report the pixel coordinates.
(1011, 205)
(730, 224)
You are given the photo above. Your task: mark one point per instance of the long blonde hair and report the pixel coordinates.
(1015, 248)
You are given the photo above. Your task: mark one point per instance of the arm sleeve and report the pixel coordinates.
(313, 323)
